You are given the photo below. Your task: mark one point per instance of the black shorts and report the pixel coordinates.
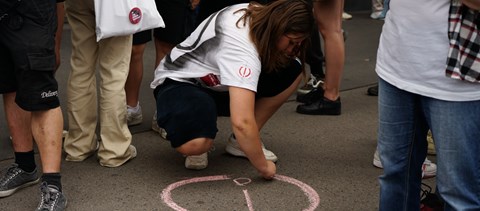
(27, 54)
(187, 111)
(142, 37)
(174, 14)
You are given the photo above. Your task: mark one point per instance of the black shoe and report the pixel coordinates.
(314, 95)
(373, 91)
(321, 106)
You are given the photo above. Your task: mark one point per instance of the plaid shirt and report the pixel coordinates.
(463, 60)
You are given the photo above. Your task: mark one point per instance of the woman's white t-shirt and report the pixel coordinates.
(218, 54)
(413, 51)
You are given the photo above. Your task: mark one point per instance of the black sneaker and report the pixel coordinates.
(16, 178)
(321, 106)
(52, 199)
(311, 96)
(373, 91)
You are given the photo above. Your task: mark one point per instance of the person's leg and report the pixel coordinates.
(326, 101)
(23, 172)
(135, 74)
(47, 127)
(81, 141)
(456, 128)
(402, 147)
(386, 7)
(114, 58)
(328, 15)
(134, 79)
(19, 124)
(191, 127)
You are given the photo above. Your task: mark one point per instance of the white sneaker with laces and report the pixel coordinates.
(234, 149)
(197, 162)
(134, 115)
(429, 169)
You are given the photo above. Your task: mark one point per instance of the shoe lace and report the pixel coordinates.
(11, 173)
(49, 197)
(312, 81)
(425, 190)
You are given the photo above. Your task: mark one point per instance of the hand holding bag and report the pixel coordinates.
(125, 17)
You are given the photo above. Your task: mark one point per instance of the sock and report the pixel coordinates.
(25, 161)
(53, 179)
(134, 109)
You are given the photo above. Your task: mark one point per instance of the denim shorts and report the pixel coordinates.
(187, 111)
(27, 54)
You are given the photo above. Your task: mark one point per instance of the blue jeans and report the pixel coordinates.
(404, 119)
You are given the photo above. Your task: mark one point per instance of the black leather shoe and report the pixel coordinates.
(321, 106)
(314, 95)
(373, 91)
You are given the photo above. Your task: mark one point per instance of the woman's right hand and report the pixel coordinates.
(269, 171)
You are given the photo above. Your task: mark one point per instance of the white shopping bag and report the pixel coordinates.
(124, 17)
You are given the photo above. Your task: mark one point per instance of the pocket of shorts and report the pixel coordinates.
(41, 62)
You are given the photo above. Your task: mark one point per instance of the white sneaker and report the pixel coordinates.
(197, 162)
(158, 129)
(134, 117)
(429, 169)
(346, 16)
(377, 15)
(234, 149)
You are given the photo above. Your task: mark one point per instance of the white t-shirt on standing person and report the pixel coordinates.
(413, 50)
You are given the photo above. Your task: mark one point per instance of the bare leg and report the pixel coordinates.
(47, 130)
(134, 79)
(328, 14)
(19, 124)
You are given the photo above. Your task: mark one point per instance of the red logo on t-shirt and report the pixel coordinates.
(244, 72)
(135, 15)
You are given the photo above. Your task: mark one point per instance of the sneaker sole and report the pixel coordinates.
(377, 164)
(332, 112)
(12, 191)
(234, 151)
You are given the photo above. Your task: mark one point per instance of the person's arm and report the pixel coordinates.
(58, 33)
(473, 4)
(242, 115)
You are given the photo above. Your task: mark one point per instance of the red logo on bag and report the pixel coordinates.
(244, 72)
(135, 15)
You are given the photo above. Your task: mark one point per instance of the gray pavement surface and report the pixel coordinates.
(325, 162)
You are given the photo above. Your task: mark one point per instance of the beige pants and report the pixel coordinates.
(113, 56)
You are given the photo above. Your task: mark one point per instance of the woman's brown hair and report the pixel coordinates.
(269, 22)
